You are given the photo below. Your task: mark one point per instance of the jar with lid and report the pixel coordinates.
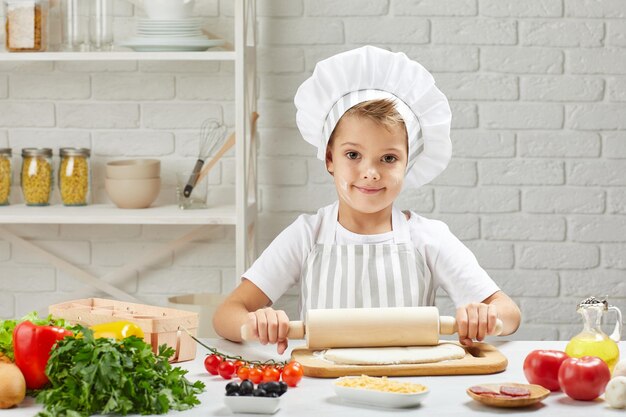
(36, 176)
(74, 178)
(5, 176)
(26, 25)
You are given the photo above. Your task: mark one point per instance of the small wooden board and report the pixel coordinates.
(482, 358)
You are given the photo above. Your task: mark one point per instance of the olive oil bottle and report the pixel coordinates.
(592, 341)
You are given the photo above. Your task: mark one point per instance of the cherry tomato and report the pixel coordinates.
(585, 378)
(211, 363)
(243, 372)
(292, 373)
(226, 369)
(255, 375)
(239, 364)
(541, 367)
(271, 374)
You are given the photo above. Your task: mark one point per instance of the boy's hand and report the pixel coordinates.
(270, 326)
(475, 321)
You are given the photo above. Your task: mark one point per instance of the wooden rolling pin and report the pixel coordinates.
(371, 327)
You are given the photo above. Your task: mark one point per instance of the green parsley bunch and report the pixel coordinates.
(104, 376)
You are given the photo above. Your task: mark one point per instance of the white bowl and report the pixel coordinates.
(133, 194)
(168, 9)
(255, 405)
(133, 169)
(379, 398)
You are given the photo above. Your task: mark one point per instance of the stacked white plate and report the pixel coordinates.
(170, 35)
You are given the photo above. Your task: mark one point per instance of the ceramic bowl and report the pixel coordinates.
(133, 194)
(252, 405)
(133, 169)
(378, 398)
(168, 9)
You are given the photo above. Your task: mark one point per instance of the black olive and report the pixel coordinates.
(270, 386)
(259, 393)
(232, 394)
(246, 388)
(232, 387)
(283, 387)
(273, 394)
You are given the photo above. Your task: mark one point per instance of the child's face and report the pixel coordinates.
(368, 163)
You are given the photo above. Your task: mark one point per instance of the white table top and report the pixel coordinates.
(315, 397)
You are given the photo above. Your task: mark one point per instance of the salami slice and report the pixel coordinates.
(514, 391)
(480, 390)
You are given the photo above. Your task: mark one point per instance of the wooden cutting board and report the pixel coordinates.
(482, 358)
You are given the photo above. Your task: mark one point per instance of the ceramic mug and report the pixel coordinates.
(168, 9)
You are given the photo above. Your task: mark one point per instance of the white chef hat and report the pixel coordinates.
(368, 73)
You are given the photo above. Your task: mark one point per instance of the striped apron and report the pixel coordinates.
(362, 276)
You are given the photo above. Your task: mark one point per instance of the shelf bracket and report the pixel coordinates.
(116, 277)
(71, 269)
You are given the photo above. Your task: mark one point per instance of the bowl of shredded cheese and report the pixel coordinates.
(381, 392)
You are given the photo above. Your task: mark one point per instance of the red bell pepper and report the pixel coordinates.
(32, 345)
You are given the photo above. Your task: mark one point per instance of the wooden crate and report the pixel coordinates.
(160, 325)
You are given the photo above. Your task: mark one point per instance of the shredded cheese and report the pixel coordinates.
(381, 384)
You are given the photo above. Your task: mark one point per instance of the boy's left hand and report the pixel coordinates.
(475, 321)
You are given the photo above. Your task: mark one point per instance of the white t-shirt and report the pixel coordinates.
(452, 265)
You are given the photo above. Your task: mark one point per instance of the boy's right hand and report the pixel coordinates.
(270, 326)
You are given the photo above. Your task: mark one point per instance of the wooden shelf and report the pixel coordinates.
(118, 56)
(109, 214)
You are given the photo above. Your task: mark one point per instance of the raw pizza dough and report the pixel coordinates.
(395, 355)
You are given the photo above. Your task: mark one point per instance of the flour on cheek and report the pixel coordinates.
(343, 190)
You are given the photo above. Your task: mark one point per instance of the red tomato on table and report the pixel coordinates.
(270, 374)
(226, 369)
(255, 375)
(585, 378)
(212, 362)
(292, 374)
(541, 367)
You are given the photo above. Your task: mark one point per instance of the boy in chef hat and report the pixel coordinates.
(380, 124)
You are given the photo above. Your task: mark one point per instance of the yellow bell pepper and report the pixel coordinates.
(117, 330)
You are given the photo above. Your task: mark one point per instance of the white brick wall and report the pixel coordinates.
(536, 187)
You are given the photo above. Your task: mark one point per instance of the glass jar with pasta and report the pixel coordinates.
(37, 174)
(26, 25)
(5, 176)
(74, 178)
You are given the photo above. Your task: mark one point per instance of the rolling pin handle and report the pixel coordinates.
(296, 331)
(447, 325)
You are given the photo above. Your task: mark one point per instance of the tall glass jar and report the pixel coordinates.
(5, 176)
(74, 178)
(37, 174)
(26, 25)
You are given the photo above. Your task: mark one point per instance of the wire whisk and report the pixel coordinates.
(212, 135)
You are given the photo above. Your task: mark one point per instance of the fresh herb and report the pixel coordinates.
(104, 376)
(7, 326)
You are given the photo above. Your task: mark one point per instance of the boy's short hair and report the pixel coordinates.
(381, 111)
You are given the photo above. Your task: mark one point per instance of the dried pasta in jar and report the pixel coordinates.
(5, 176)
(74, 176)
(37, 176)
(26, 27)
